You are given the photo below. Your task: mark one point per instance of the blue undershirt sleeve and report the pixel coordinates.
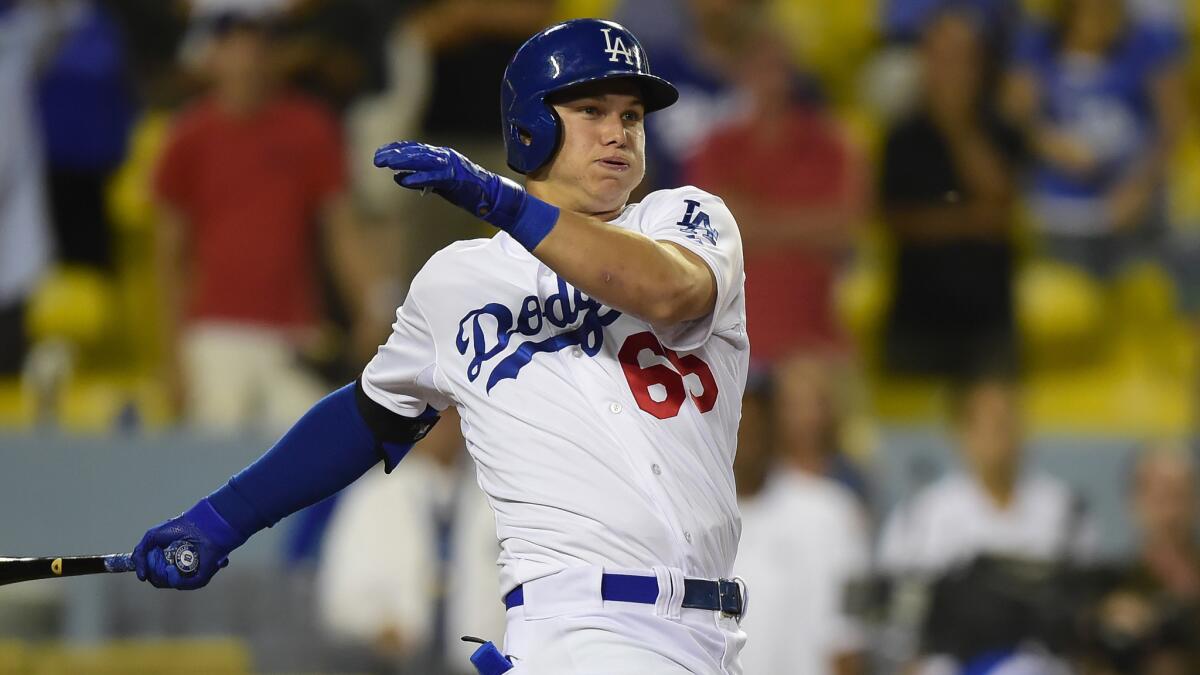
(330, 447)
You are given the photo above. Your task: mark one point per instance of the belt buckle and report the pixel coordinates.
(729, 597)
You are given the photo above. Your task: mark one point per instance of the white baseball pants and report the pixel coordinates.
(565, 628)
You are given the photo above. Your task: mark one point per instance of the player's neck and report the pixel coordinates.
(570, 199)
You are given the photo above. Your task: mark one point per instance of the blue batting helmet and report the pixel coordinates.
(561, 56)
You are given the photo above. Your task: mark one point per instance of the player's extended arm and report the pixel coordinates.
(335, 442)
(660, 282)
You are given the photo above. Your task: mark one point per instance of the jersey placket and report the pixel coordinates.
(651, 470)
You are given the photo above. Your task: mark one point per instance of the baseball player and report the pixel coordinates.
(596, 352)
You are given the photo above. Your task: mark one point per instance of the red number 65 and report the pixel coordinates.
(641, 379)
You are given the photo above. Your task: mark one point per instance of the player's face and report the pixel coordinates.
(603, 153)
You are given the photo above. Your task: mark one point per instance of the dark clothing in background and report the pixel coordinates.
(87, 109)
(460, 78)
(350, 39)
(14, 343)
(82, 229)
(152, 32)
(952, 310)
(1166, 640)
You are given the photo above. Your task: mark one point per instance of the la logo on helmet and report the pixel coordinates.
(617, 47)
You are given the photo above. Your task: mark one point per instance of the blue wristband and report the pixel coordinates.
(534, 221)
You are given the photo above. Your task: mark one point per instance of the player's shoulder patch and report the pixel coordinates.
(692, 211)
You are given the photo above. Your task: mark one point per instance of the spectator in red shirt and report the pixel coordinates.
(251, 186)
(798, 191)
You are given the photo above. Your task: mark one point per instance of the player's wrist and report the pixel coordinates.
(525, 217)
(226, 517)
(531, 219)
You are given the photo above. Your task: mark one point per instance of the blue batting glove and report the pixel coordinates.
(201, 526)
(467, 185)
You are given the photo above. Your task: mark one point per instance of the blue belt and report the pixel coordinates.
(724, 595)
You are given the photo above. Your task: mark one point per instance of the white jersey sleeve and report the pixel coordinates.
(701, 223)
(402, 375)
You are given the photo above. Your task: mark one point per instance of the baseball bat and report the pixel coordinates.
(181, 554)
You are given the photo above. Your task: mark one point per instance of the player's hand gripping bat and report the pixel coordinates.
(181, 554)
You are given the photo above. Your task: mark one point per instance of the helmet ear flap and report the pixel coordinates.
(558, 137)
(534, 134)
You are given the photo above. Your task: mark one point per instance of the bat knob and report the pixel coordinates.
(183, 555)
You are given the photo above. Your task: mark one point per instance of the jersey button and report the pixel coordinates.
(577, 352)
(614, 407)
(656, 469)
(687, 536)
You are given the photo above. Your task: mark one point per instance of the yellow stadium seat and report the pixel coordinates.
(15, 409)
(72, 304)
(861, 300)
(1060, 312)
(1144, 296)
(831, 39)
(582, 9)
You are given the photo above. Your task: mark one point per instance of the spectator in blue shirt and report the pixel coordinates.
(87, 110)
(1100, 98)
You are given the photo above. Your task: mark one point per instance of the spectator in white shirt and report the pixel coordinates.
(993, 505)
(408, 563)
(804, 538)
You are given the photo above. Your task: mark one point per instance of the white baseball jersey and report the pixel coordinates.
(599, 439)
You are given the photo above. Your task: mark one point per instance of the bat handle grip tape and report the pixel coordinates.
(119, 562)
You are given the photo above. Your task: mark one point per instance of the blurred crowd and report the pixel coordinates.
(978, 216)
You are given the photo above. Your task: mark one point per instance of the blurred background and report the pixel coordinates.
(972, 244)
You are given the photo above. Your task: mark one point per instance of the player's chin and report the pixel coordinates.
(608, 182)
(607, 196)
